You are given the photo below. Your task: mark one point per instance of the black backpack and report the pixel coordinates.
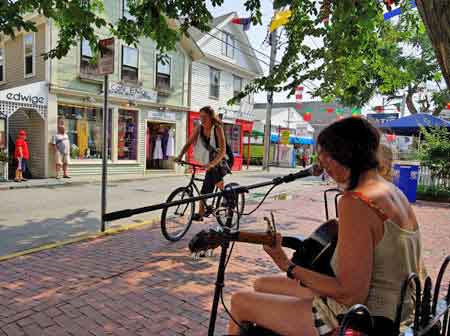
(228, 150)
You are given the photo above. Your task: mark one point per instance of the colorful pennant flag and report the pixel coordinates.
(307, 116)
(245, 22)
(356, 111)
(390, 137)
(298, 97)
(330, 110)
(280, 19)
(339, 111)
(379, 108)
(448, 105)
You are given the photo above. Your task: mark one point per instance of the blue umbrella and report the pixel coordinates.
(411, 125)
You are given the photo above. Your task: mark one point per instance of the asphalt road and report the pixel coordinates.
(33, 217)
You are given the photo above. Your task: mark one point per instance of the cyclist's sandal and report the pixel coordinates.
(197, 217)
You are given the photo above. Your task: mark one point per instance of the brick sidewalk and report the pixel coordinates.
(135, 283)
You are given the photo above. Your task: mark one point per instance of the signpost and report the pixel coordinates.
(105, 67)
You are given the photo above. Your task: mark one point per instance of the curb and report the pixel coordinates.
(88, 237)
(56, 183)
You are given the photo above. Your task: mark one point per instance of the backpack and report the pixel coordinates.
(228, 151)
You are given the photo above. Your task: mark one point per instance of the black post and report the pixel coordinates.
(105, 151)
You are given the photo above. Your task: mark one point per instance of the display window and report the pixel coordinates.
(160, 145)
(127, 135)
(234, 137)
(84, 127)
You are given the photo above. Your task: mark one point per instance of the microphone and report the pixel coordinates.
(313, 170)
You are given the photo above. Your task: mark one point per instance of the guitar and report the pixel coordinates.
(314, 252)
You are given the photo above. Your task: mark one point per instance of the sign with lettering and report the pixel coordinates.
(33, 94)
(106, 59)
(381, 118)
(132, 93)
(162, 115)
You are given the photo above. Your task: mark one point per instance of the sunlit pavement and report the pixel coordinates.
(135, 283)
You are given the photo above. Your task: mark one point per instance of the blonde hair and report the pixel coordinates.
(386, 158)
(212, 114)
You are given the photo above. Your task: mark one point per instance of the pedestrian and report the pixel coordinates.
(21, 155)
(61, 145)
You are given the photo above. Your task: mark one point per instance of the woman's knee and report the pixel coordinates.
(260, 284)
(238, 301)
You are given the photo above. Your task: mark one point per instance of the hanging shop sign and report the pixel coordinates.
(106, 59)
(162, 116)
(132, 93)
(33, 94)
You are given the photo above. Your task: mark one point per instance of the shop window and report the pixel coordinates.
(130, 64)
(214, 83)
(228, 45)
(2, 134)
(237, 86)
(127, 135)
(2, 65)
(28, 47)
(84, 127)
(86, 65)
(163, 69)
(233, 136)
(160, 145)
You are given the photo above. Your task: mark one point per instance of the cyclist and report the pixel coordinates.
(208, 139)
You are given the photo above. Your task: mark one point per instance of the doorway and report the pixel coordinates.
(160, 145)
(33, 124)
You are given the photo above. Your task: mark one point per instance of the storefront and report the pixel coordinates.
(24, 108)
(235, 131)
(141, 136)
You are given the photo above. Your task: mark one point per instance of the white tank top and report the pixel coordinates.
(201, 153)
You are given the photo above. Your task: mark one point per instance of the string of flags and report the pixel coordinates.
(298, 97)
(245, 22)
(308, 112)
(280, 19)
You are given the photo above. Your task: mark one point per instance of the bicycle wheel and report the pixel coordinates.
(221, 209)
(176, 220)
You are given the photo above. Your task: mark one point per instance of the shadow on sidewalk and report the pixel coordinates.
(34, 233)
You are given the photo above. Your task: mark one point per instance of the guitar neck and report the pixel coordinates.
(257, 238)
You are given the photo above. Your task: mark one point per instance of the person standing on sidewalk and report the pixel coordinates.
(22, 155)
(61, 146)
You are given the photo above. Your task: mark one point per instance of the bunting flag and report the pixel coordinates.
(448, 105)
(339, 111)
(356, 111)
(280, 19)
(245, 22)
(390, 137)
(339, 117)
(298, 97)
(307, 116)
(330, 110)
(379, 108)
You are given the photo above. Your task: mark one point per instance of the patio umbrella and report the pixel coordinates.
(411, 125)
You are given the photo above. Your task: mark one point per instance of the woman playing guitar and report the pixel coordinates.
(378, 246)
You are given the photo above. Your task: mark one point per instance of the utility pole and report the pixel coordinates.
(273, 53)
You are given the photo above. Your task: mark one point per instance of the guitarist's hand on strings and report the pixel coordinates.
(277, 254)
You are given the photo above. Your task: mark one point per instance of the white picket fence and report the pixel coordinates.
(427, 180)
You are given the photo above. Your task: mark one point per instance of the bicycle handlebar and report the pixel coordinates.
(194, 165)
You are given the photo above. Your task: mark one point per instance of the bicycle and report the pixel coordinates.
(176, 221)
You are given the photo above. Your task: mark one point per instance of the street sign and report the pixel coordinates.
(285, 134)
(106, 59)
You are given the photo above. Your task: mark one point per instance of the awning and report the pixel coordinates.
(411, 125)
(274, 138)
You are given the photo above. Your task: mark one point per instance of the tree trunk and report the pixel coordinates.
(435, 15)
(409, 101)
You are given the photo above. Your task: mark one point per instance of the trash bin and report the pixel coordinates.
(405, 178)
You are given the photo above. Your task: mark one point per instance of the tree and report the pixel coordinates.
(434, 152)
(417, 66)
